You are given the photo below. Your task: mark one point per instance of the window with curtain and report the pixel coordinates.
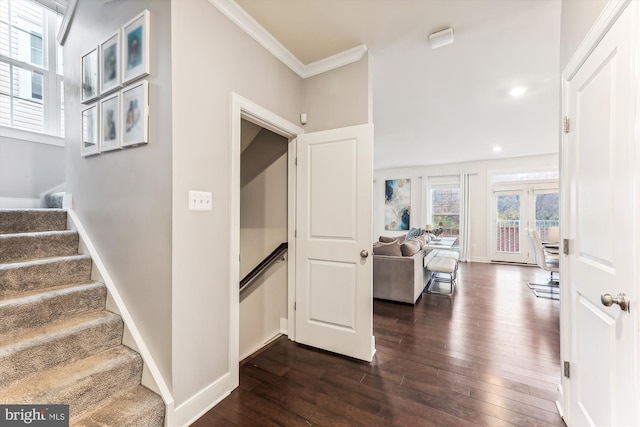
(31, 81)
(444, 204)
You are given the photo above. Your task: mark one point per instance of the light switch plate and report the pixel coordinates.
(200, 200)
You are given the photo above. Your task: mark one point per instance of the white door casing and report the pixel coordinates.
(601, 220)
(334, 298)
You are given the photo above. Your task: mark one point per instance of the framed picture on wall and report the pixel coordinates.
(90, 72)
(135, 114)
(135, 49)
(110, 62)
(397, 204)
(90, 144)
(110, 137)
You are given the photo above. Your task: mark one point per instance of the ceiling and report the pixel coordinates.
(445, 105)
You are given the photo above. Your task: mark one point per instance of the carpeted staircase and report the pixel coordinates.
(58, 344)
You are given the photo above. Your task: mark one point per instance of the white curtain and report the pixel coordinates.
(465, 219)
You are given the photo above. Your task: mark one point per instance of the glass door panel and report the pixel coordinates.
(547, 215)
(508, 235)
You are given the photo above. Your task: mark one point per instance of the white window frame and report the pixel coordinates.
(52, 86)
(440, 183)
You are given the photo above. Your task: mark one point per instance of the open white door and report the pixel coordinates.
(602, 172)
(334, 299)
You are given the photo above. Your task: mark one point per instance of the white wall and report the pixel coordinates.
(211, 59)
(480, 193)
(28, 169)
(263, 226)
(124, 198)
(338, 98)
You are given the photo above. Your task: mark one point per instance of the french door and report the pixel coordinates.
(519, 206)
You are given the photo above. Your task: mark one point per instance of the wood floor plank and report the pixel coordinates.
(489, 356)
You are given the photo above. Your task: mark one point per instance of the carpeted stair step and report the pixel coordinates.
(26, 246)
(32, 220)
(63, 342)
(137, 406)
(84, 384)
(55, 305)
(27, 276)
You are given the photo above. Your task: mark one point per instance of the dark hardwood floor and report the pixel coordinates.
(488, 357)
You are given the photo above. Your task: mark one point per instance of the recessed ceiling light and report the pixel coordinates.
(497, 149)
(518, 91)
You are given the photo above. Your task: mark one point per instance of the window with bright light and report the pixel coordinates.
(31, 81)
(444, 204)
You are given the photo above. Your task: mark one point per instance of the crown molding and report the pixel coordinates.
(242, 19)
(66, 21)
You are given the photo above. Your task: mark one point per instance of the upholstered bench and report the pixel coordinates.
(448, 254)
(442, 265)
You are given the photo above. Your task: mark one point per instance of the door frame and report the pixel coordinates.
(242, 108)
(508, 189)
(528, 190)
(611, 12)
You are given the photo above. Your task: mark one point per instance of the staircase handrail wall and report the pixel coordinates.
(263, 265)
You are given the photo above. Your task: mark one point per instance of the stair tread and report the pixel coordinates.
(56, 304)
(47, 332)
(35, 294)
(60, 377)
(136, 406)
(41, 261)
(36, 234)
(23, 277)
(22, 220)
(16, 247)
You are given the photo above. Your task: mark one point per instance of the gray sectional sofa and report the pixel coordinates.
(398, 269)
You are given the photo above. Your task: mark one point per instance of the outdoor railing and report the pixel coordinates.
(508, 236)
(508, 233)
(543, 228)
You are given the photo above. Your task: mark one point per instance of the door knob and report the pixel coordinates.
(364, 254)
(622, 301)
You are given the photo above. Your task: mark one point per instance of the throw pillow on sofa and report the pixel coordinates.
(388, 248)
(388, 239)
(414, 232)
(410, 247)
(422, 239)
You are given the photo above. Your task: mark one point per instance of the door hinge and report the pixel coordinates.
(566, 124)
(295, 234)
(295, 161)
(567, 372)
(565, 246)
(294, 306)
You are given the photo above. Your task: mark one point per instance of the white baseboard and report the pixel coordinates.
(284, 326)
(19, 203)
(258, 347)
(188, 412)
(560, 401)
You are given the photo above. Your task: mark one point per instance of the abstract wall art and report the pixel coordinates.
(397, 204)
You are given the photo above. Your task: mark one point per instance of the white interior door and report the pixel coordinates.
(601, 166)
(334, 298)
